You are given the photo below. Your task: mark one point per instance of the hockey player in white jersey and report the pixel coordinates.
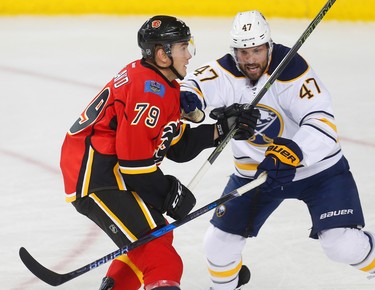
(295, 141)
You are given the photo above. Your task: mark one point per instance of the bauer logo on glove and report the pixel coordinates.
(284, 154)
(282, 158)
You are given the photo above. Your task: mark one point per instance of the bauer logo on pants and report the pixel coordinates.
(336, 213)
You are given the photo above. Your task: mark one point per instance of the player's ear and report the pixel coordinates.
(161, 56)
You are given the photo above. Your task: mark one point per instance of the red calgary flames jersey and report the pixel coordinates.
(126, 129)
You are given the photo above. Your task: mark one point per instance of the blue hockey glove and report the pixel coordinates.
(242, 117)
(282, 158)
(191, 107)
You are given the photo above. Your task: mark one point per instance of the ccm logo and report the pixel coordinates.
(336, 213)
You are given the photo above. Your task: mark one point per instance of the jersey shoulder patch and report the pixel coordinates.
(154, 87)
(227, 63)
(295, 68)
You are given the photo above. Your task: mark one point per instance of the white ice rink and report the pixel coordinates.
(50, 68)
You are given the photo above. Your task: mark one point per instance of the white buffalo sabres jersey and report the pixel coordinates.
(297, 106)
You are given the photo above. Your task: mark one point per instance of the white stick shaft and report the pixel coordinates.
(253, 184)
(198, 176)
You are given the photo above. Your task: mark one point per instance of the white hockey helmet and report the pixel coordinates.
(250, 29)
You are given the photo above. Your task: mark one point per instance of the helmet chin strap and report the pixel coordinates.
(171, 67)
(168, 51)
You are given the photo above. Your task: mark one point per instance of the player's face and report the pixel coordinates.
(253, 61)
(182, 52)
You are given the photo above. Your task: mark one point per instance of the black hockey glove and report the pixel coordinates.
(243, 117)
(179, 201)
(282, 158)
(191, 107)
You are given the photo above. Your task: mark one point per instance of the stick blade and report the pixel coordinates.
(44, 274)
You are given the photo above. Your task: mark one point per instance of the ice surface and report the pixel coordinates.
(50, 67)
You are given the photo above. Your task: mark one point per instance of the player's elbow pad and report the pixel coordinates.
(179, 200)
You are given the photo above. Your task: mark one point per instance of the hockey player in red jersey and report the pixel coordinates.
(111, 155)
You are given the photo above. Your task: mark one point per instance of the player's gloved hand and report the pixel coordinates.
(282, 158)
(179, 200)
(191, 107)
(246, 122)
(241, 116)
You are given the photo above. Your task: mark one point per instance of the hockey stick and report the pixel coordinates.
(55, 279)
(280, 68)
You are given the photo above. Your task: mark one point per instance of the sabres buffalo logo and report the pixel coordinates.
(220, 210)
(269, 126)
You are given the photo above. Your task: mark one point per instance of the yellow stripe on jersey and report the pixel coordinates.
(113, 217)
(178, 137)
(145, 211)
(138, 170)
(86, 178)
(369, 267)
(228, 273)
(125, 259)
(330, 124)
(70, 197)
(243, 166)
(198, 92)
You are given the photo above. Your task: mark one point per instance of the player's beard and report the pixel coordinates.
(254, 70)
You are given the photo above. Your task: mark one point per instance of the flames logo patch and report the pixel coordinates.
(155, 24)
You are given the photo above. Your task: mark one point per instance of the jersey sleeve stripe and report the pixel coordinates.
(318, 113)
(138, 170)
(321, 131)
(179, 135)
(243, 166)
(330, 124)
(70, 197)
